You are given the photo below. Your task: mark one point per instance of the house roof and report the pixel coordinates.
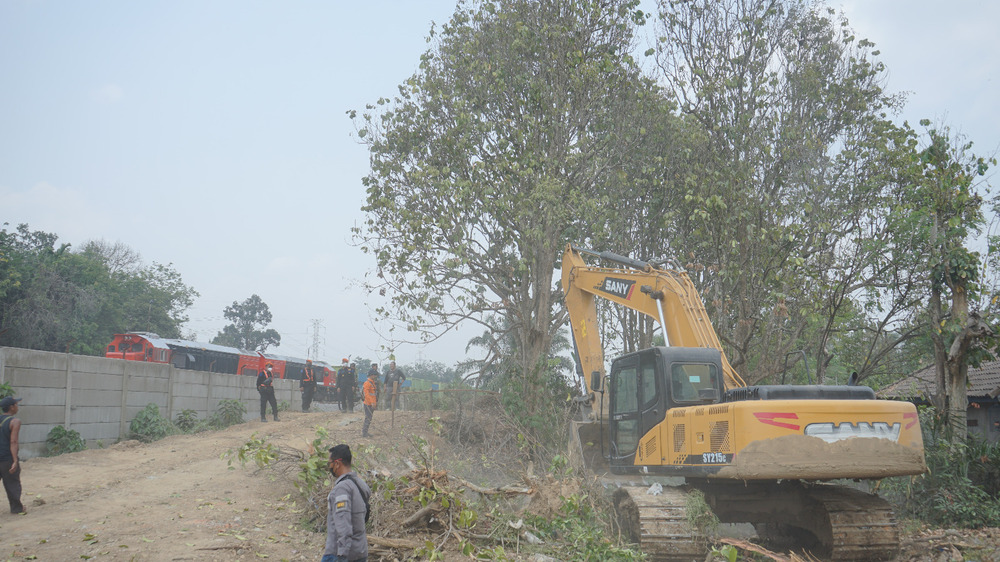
(984, 382)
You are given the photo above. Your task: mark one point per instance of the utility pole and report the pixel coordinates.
(317, 325)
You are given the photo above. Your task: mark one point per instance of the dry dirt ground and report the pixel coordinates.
(177, 499)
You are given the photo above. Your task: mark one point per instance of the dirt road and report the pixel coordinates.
(174, 499)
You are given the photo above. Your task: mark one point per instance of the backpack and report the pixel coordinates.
(357, 484)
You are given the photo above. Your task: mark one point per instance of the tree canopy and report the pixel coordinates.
(758, 151)
(55, 299)
(492, 154)
(248, 329)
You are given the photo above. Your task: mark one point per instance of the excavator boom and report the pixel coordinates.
(667, 296)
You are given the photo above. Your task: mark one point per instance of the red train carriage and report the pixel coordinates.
(183, 354)
(199, 356)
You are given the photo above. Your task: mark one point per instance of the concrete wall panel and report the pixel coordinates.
(25, 376)
(95, 393)
(97, 381)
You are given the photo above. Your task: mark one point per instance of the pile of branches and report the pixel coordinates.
(434, 506)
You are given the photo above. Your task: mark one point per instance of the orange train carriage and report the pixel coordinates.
(199, 356)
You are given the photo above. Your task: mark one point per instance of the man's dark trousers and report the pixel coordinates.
(12, 485)
(307, 396)
(267, 396)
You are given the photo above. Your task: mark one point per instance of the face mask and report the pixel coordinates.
(268, 369)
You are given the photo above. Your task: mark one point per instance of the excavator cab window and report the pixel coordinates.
(694, 383)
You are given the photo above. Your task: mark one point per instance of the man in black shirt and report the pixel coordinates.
(392, 382)
(308, 385)
(10, 465)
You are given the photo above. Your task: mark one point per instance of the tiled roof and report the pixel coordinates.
(984, 382)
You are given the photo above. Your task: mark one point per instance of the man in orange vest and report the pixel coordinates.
(307, 385)
(369, 390)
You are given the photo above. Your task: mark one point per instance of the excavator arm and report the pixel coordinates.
(667, 296)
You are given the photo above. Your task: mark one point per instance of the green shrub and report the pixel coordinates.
(6, 390)
(229, 412)
(284, 406)
(956, 489)
(61, 440)
(187, 420)
(148, 425)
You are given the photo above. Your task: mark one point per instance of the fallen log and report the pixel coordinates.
(421, 514)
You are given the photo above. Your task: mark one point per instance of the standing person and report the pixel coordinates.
(347, 511)
(370, 390)
(393, 380)
(341, 384)
(308, 385)
(265, 386)
(10, 465)
(352, 383)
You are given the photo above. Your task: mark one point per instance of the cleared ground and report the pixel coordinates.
(177, 499)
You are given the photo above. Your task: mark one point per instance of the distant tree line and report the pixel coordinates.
(57, 299)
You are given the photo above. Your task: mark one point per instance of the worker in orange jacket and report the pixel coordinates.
(369, 389)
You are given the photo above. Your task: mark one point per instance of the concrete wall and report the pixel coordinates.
(98, 397)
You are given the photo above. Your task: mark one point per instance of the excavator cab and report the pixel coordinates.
(646, 384)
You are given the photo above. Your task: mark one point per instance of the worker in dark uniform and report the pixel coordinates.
(10, 465)
(347, 511)
(393, 380)
(350, 385)
(308, 385)
(342, 384)
(265, 386)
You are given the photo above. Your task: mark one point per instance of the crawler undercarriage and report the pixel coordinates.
(830, 521)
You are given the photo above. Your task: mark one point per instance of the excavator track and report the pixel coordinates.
(659, 524)
(834, 522)
(861, 526)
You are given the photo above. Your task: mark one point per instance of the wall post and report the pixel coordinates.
(170, 392)
(67, 415)
(123, 426)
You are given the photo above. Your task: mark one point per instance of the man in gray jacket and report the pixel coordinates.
(347, 510)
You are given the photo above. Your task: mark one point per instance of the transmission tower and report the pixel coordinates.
(317, 341)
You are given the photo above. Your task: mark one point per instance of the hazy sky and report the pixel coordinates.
(213, 135)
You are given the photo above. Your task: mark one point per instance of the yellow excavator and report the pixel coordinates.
(760, 454)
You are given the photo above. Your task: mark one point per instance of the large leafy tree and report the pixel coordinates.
(776, 222)
(249, 326)
(941, 214)
(52, 298)
(491, 157)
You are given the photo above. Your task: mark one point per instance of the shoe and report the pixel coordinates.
(263, 420)
(276, 418)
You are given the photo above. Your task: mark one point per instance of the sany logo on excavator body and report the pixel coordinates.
(831, 432)
(618, 287)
